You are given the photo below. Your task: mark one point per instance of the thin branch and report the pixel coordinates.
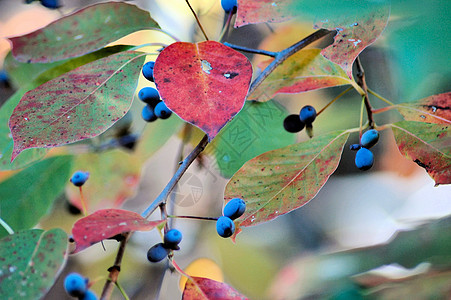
(380, 97)
(197, 20)
(194, 217)
(335, 99)
(361, 81)
(250, 50)
(175, 179)
(284, 54)
(225, 29)
(115, 269)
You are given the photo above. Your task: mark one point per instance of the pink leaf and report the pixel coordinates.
(107, 223)
(205, 84)
(432, 109)
(253, 11)
(198, 288)
(355, 33)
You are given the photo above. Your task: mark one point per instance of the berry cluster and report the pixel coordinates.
(233, 210)
(158, 252)
(155, 108)
(77, 286)
(364, 158)
(295, 123)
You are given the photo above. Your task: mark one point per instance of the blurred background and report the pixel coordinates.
(380, 234)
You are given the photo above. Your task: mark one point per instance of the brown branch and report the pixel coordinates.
(197, 19)
(361, 81)
(284, 54)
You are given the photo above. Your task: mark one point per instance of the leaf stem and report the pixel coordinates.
(250, 50)
(361, 81)
(335, 99)
(383, 109)
(124, 294)
(361, 117)
(6, 226)
(175, 179)
(284, 54)
(197, 20)
(380, 97)
(194, 217)
(225, 29)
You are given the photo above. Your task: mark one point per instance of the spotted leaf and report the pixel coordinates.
(433, 109)
(198, 288)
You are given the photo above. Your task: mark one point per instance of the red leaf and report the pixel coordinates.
(198, 288)
(253, 11)
(107, 223)
(428, 145)
(77, 105)
(433, 109)
(84, 31)
(354, 33)
(205, 84)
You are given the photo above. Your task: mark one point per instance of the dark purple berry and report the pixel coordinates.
(307, 114)
(149, 95)
(234, 208)
(293, 124)
(355, 147)
(157, 253)
(364, 159)
(148, 70)
(79, 178)
(229, 5)
(52, 4)
(148, 114)
(75, 285)
(225, 227)
(172, 238)
(369, 138)
(162, 111)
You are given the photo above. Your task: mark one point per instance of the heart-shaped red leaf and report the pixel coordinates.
(198, 288)
(432, 109)
(205, 84)
(107, 223)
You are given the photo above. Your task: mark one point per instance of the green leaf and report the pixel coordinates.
(304, 71)
(256, 129)
(84, 31)
(6, 142)
(279, 181)
(428, 145)
(27, 196)
(30, 262)
(432, 109)
(77, 105)
(114, 177)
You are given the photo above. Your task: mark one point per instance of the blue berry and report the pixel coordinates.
(148, 114)
(172, 238)
(52, 4)
(369, 138)
(89, 295)
(149, 95)
(162, 111)
(234, 208)
(225, 227)
(307, 114)
(157, 253)
(293, 124)
(229, 5)
(79, 178)
(148, 70)
(75, 285)
(355, 147)
(364, 159)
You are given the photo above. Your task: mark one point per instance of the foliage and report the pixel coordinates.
(81, 86)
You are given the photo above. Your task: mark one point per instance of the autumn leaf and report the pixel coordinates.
(428, 145)
(30, 262)
(77, 105)
(198, 288)
(84, 31)
(304, 71)
(432, 109)
(279, 181)
(356, 30)
(205, 84)
(107, 223)
(252, 11)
